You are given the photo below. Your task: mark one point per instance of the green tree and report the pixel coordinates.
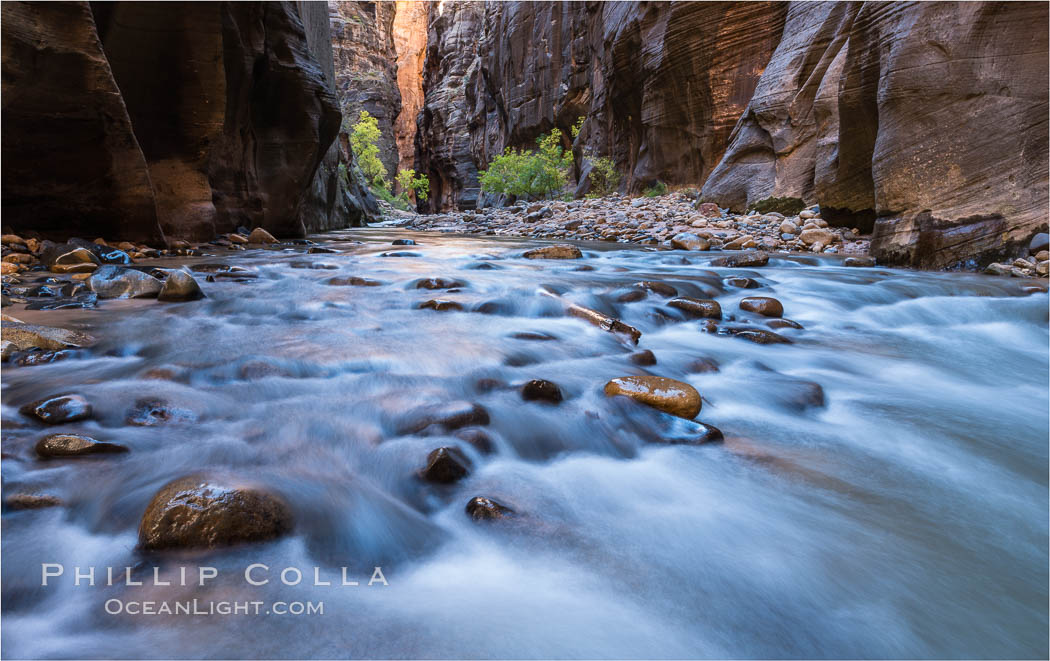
(407, 180)
(532, 174)
(364, 141)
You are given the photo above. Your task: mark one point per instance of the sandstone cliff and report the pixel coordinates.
(410, 45)
(926, 122)
(366, 68)
(131, 118)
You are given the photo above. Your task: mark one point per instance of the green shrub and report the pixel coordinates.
(408, 181)
(656, 190)
(364, 141)
(789, 206)
(604, 176)
(530, 174)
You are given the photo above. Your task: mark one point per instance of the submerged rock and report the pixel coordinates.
(763, 305)
(150, 412)
(445, 465)
(31, 501)
(689, 432)
(201, 511)
(645, 358)
(668, 395)
(441, 305)
(438, 283)
(660, 288)
(58, 410)
(449, 416)
(74, 445)
(353, 281)
(485, 509)
(541, 390)
(862, 262)
(559, 251)
(743, 283)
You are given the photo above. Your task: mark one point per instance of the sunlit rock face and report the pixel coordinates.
(926, 122)
(191, 119)
(410, 44)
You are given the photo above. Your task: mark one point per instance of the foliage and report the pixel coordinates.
(604, 176)
(400, 201)
(364, 140)
(537, 173)
(577, 127)
(408, 181)
(656, 190)
(789, 206)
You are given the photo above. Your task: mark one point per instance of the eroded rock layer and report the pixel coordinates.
(126, 119)
(925, 122)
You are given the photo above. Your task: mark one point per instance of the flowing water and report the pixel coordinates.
(906, 516)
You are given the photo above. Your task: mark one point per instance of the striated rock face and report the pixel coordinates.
(366, 68)
(443, 139)
(926, 122)
(187, 118)
(661, 84)
(410, 44)
(73, 163)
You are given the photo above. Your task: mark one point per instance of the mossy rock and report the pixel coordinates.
(789, 206)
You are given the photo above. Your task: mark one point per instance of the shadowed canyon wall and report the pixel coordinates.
(925, 122)
(129, 119)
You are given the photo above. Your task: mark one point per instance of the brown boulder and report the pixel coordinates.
(667, 395)
(697, 308)
(763, 305)
(559, 251)
(74, 445)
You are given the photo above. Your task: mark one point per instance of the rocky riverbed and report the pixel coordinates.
(693, 452)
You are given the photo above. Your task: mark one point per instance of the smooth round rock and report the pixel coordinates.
(259, 235)
(667, 395)
(859, 262)
(58, 410)
(445, 465)
(759, 336)
(743, 283)
(763, 305)
(115, 282)
(784, 323)
(689, 241)
(485, 509)
(438, 283)
(697, 308)
(541, 390)
(752, 258)
(180, 286)
(644, 358)
(201, 511)
(1040, 241)
(74, 445)
(659, 288)
(558, 251)
(402, 242)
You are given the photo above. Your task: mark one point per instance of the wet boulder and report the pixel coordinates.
(541, 390)
(74, 445)
(861, 262)
(485, 509)
(763, 305)
(667, 395)
(438, 283)
(659, 288)
(784, 323)
(180, 286)
(259, 235)
(441, 305)
(758, 336)
(697, 308)
(58, 410)
(31, 501)
(689, 241)
(749, 259)
(445, 465)
(30, 336)
(558, 251)
(1040, 241)
(115, 282)
(402, 242)
(743, 283)
(690, 432)
(202, 511)
(643, 358)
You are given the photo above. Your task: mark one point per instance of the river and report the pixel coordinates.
(902, 513)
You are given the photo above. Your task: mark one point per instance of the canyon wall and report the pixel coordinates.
(410, 46)
(923, 122)
(180, 120)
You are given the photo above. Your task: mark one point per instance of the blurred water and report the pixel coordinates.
(907, 517)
